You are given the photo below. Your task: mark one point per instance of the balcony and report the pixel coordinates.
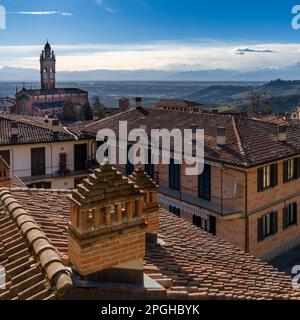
(222, 207)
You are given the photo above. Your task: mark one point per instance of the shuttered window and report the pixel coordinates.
(149, 167)
(291, 169)
(129, 166)
(290, 215)
(208, 224)
(267, 226)
(175, 211)
(204, 183)
(38, 162)
(174, 175)
(267, 177)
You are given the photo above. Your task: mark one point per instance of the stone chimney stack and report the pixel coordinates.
(123, 104)
(282, 133)
(149, 190)
(107, 229)
(14, 129)
(4, 170)
(138, 102)
(55, 126)
(221, 137)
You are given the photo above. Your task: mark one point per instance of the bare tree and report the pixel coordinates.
(255, 100)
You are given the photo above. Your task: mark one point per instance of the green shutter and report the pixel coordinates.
(260, 179)
(274, 174)
(274, 222)
(260, 234)
(285, 217)
(285, 171)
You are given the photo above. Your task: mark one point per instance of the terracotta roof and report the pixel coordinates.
(31, 130)
(33, 267)
(187, 262)
(37, 92)
(249, 142)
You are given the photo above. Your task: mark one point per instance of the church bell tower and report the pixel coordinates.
(48, 62)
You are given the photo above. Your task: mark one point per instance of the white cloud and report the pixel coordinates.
(165, 55)
(41, 13)
(110, 10)
(99, 2)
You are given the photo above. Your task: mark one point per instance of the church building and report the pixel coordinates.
(48, 100)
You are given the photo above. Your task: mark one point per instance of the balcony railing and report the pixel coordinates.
(218, 205)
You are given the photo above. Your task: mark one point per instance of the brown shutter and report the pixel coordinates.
(260, 179)
(285, 171)
(274, 222)
(274, 174)
(260, 234)
(62, 163)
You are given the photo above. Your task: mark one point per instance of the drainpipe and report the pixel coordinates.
(222, 191)
(247, 248)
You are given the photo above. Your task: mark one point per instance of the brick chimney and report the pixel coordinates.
(282, 133)
(123, 104)
(138, 102)
(107, 229)
(4, 170)
(14, 130)
(149, 190)
(221, 137)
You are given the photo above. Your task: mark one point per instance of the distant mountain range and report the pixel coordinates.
(280, 95)
(286, 73)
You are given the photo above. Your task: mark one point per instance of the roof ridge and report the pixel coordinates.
(239, 137)
(114, 115)
(50, 260)
(31, 121)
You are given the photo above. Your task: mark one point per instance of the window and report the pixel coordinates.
(40, 185)
(80, 157)
(175, 211)
(129, 165)
(204, 183)
(38, 162)
(267, 177)
(174, 175)
(290, 215)
(6, 156)
(291, 169)
(267, 226)
(208, 224)
(149, 167)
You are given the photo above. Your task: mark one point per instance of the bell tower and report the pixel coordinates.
(48, 62)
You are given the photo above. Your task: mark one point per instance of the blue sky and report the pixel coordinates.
(159, 34)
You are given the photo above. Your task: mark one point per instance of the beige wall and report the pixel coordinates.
(20, 160)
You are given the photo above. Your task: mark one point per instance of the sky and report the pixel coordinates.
(151, 34)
